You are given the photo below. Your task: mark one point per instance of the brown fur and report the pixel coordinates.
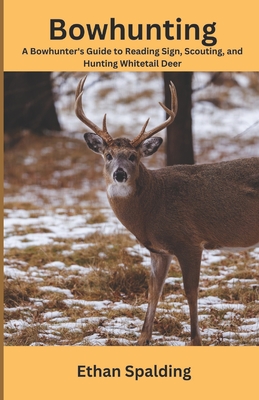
(178, 210)
(181, 210)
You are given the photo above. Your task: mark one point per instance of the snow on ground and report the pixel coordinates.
(24, 229)
(121, 328)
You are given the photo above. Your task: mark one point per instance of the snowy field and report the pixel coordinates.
(73, 274)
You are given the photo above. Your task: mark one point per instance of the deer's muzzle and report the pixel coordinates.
(120, 175)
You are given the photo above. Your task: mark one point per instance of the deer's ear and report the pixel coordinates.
(150, 146)
(94, 142)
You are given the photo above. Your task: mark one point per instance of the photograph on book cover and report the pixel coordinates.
(96, 225)
(128, 205)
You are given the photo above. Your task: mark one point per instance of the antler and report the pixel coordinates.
(172, 114)
(103, 133)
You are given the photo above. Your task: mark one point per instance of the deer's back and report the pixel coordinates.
(220, 180)
(216, 203)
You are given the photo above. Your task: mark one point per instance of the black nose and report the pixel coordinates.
(120, 175)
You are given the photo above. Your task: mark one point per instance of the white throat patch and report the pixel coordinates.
(119, 189)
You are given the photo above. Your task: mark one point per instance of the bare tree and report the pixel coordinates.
(29, 103)
(179, 135)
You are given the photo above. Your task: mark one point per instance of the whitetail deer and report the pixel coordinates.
(178, 210)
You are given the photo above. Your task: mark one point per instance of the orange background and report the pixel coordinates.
(27, 24)
(51, 373)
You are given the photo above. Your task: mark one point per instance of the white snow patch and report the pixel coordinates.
(55, 264)
(56, 290)
(14, 273)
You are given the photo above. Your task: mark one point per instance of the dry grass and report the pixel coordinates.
(126, 282)
(53, 163)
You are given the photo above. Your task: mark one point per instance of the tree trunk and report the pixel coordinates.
(29, 102)
(179, 133)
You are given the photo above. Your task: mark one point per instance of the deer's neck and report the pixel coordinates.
(132, 202)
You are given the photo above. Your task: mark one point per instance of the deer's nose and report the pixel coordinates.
(120, 175)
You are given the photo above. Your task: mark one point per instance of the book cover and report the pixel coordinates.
(76, 278)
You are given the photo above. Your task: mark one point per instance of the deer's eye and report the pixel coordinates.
(108, 157)
(132, 157)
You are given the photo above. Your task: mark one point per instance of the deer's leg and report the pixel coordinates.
(159, 268)
(190, 260)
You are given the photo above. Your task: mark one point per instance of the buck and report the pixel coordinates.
(176, 210)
